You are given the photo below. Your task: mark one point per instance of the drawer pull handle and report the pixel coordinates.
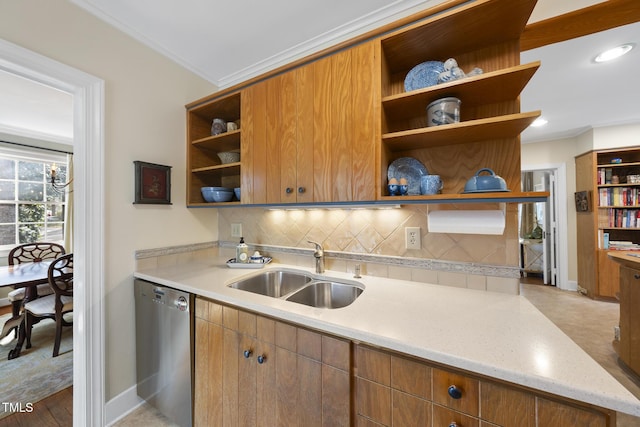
(453, 424)
(261, 359)
(288, 190)
(636, 276)
(301, 190)
(454, 392)
(247, 354)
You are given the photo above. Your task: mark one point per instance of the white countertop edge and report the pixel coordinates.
(190, 278)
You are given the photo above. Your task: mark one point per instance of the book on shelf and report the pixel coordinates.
(619, 196)
(622, 245)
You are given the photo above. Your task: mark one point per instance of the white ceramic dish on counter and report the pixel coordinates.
(249, 265)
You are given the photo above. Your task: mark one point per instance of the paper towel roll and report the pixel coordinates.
(467, 221)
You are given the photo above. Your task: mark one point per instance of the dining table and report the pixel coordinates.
(25, 275)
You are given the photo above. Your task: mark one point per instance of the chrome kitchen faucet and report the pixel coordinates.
(319, 254)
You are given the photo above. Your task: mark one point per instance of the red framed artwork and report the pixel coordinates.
(153, 184)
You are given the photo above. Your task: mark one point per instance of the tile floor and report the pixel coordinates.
(589, 323)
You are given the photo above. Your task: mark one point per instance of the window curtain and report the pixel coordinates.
(528, 211)
(68, 212)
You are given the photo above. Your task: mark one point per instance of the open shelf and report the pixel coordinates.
(204, 167)
(228, 141)
(488, 88)
(500, 127)
(506, 197)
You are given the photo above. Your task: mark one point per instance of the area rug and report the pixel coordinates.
(35, 374)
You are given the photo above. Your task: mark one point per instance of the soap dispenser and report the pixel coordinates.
(242, 252)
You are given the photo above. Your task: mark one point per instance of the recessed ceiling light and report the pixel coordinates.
(614, 53)
(539, 122)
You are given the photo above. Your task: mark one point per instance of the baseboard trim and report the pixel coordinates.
(122, 405)
(572, 285)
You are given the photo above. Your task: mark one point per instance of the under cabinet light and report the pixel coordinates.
(329, 207)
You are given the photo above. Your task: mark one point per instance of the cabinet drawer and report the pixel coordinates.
(411, 377)
(373, 401)
(445, 417)
(506, 406)
(373, 365)
(554, 414)
(408, 410)
(464, 388)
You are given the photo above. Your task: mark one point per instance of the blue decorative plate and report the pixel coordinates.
(423, 75)
(410, 169)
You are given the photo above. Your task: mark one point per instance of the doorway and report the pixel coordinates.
(545, 234)
(88, 231)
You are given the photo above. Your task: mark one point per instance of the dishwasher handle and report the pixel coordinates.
(182, 304)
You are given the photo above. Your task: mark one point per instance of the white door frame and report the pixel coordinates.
(560, 171)
(88, 233)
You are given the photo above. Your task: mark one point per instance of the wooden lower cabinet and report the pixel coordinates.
(394, 390)
(629, 346)
(251, 370)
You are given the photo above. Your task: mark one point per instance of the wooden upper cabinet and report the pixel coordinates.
(327, 128)
(277, 146)
(346, 123)
(309, 135)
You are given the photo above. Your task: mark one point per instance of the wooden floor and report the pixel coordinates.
(54, 411)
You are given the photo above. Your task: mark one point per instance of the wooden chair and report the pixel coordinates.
(56, 305)
(30, 252)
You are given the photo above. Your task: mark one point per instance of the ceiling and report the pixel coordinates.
(222, 43)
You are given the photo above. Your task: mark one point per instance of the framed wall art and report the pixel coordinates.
(153, 184)
(583, 201)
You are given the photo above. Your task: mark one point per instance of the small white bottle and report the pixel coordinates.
(242, 252)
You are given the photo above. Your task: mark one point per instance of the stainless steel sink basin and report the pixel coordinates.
(273, 283)
(301, 288)
(324, 294)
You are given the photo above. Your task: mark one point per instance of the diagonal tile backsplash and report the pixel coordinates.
(369, 231)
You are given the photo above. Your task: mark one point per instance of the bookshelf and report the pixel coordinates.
(613, 222)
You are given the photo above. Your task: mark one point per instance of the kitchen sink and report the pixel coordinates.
(273, 283)
(323, 294)
(301, 288)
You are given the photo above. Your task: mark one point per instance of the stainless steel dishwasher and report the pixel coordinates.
(164, 326)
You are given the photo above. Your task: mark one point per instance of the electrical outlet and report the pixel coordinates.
(412, 238)
(236, 230)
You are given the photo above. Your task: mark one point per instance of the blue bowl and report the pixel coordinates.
(237, 192)
(216, 194)
(222, 196)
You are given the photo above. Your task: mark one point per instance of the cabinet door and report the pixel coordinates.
(304, 136)
(207, 397)
(608, 275)
(277, 148)
(505, 406)
(629, 349)
(345, 125)
(554, 414)
(467, 387)
(253, 147)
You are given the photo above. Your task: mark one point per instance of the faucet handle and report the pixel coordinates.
(318, 245)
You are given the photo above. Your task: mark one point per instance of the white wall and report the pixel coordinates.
(145, 95)
(556, 152)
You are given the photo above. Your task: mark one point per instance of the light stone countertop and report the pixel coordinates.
(492, 334)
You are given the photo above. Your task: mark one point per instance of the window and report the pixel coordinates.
(30, 209)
